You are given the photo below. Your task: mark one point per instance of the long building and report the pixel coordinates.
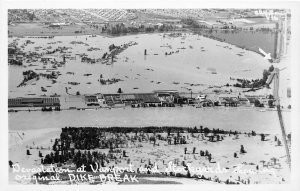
(123, 99)
(34, 102)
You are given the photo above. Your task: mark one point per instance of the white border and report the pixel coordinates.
(295, 48)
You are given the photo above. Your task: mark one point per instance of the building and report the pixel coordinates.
(121, 100)
(166, 92)
(129, 99)
(244, 101)
(34, 102)
(113, 100)
(91, 100)
(201, 98)
(57, 24)
(148, 99)
(228, 99)
(94, 100)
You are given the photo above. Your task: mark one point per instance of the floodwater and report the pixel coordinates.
(243, 120)
(198, 60)
(251, 40)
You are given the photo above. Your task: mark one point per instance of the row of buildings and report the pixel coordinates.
(170, 98)
(159, 98)
(156, 98)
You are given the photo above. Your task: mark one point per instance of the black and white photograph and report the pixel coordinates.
(149, 96)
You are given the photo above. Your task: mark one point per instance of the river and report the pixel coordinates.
(239, 119)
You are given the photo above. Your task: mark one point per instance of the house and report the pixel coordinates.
(91, 100)
(94, 100)
(57, 24)
(113, 100)
(244, 101)
(201, 97)
(230, 100)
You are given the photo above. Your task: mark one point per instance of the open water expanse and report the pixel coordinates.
(194, 64)
(196, 58)
(243, 120)
(251, 40)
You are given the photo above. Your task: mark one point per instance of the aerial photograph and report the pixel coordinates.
(149, 96)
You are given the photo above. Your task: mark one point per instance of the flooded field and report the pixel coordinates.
(185, 62)
(243, 120)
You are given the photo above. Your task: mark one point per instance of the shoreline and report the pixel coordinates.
(98, 34)
(263, 109)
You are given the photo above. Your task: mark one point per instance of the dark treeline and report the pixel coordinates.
(148, 129)
(121, 28)
(76, 144)
(79, 158)
(244, 83)
(16, 62)
(86, 138)
(30, 75)
(189, 22)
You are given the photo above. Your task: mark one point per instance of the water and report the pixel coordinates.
(243, 120)
(189, 65)
(251, 40)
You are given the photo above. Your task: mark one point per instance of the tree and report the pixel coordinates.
(271, 103)
(271, 68)
(111, 47)
(149, 29)
(120, 91)
(256, 103)
(10, 163)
